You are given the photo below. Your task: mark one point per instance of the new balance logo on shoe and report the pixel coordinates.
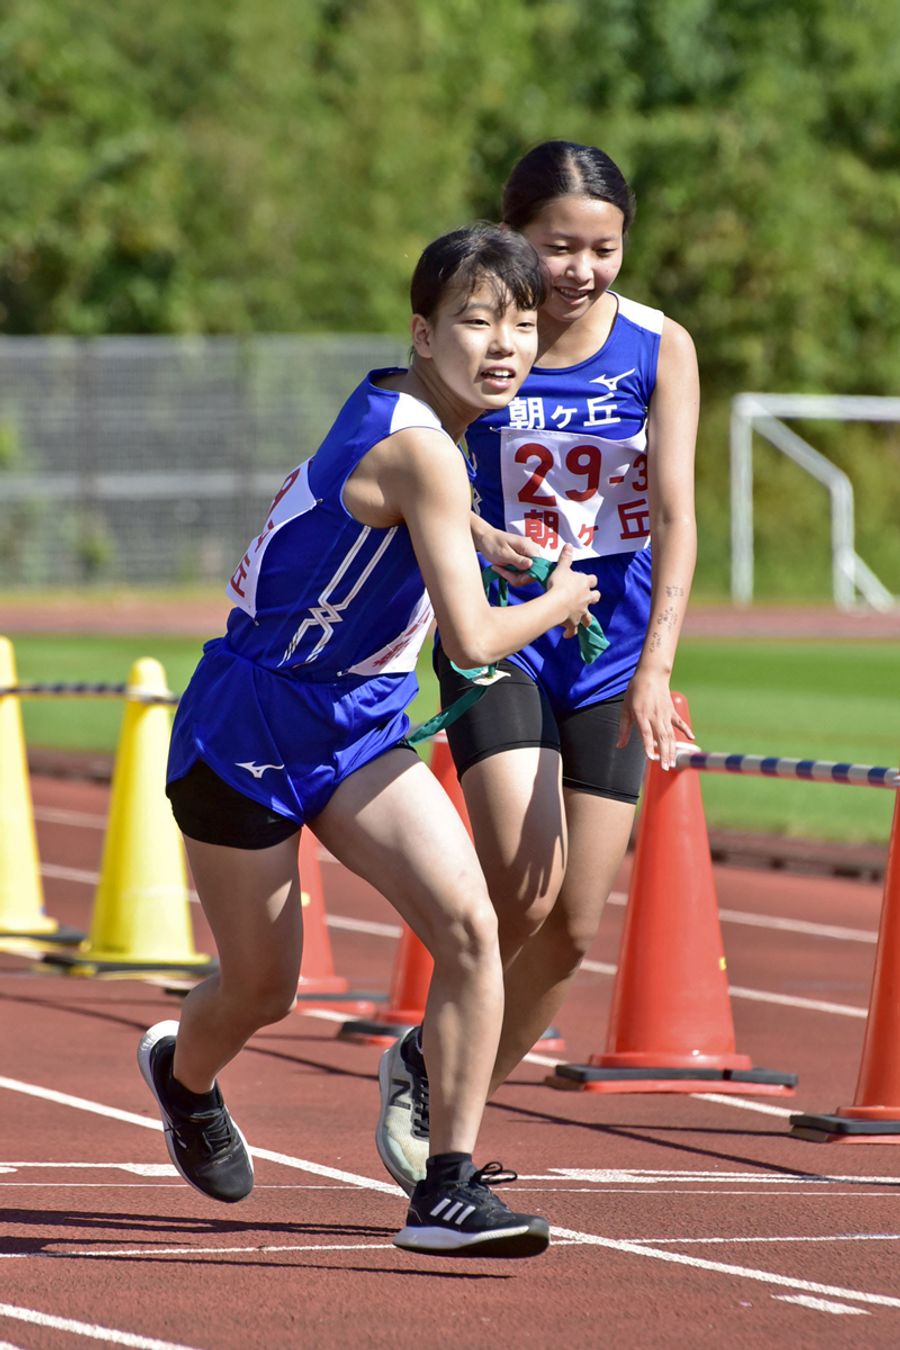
(400, 1093)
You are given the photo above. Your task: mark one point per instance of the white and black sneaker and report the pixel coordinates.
(465, 1218)
(206, 1146)
(401, 1135)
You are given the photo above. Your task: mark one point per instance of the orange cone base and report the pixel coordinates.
(841, 1129)
(749, 1082)
(551, 1043)
(97, 964)
(358, 1002)
(646, 1059)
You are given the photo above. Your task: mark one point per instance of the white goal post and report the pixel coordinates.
(764, 414)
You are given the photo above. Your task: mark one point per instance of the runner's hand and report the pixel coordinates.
(509, 554)
(648, 706)
(579, 590)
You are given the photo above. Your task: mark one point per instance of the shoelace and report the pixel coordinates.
(212, 1130)
(419, 1114)
(493, 1174)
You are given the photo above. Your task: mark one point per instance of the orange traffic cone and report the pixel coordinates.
(874, 1117)
(318, 982)
(671, 1028)
(407, 998)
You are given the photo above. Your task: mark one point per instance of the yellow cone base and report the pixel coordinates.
(99, 963)
(39, 940)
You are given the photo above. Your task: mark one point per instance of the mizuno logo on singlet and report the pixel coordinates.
(257, 769)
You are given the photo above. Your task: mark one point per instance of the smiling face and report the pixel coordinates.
(580, 241)
(479, 346)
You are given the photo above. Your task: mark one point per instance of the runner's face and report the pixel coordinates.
(580, 242)
(482, 347)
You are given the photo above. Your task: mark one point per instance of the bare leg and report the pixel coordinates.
(251, 898)
(539, 977)
(393, 824)
(516, 808)
(550, 856)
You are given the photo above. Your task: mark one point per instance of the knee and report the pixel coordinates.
(468, 936)
(573, 933)
(260, 1001)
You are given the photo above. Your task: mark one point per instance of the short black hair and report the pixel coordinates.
(563, 169)
(464, 258)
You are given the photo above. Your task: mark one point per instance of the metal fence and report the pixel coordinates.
(149, 461)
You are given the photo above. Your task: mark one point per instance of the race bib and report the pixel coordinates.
(563, 487)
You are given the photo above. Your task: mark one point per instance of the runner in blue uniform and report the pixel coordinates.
(297, 714)
(596, 451)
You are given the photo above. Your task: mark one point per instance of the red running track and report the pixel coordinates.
(678, 1221)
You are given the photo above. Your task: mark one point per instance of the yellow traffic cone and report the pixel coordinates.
(24, 927)
(141, 920)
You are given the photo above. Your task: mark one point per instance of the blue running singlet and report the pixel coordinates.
(313, 675)
(566, 463)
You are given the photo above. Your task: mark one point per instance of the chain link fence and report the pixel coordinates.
(150, 461)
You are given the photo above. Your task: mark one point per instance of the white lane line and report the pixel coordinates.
(641, 1176)
(57, 873)
(716, 1241)
(820, 1304)
(131, 1118)
(744, 1104)
(723, 1268)
(572, 1235)
(751, 920)
(387, 930)
(59, 815)
(96, 1333)
(392, 930)
(792, 1001)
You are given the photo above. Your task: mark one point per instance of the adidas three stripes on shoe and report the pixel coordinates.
(465, 1218)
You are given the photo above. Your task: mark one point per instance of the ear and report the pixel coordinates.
(420, 329)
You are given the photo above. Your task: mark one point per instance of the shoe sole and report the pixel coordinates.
(384, 1088)
(150, 1039)
(512, 1243)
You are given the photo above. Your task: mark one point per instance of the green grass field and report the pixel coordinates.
(822, 700)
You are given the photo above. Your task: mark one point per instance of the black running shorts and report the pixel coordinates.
(209, 809)
(516, 712)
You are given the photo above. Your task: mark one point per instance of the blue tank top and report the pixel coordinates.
(319, 595)
(566, 463)
(317, 667)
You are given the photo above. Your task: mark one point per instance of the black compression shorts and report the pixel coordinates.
(516, 712)
(209, 809)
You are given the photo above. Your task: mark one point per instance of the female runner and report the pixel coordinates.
(596, 452)
(298, 715)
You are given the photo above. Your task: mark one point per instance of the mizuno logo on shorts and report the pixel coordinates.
(257, 769)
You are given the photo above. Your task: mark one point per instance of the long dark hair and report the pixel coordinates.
(562, 169)
(464, 258)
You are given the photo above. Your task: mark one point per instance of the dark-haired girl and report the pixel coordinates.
(298, 715)
(596, 452)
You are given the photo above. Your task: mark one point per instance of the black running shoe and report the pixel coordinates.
(206, 1147)
(401, 1135)
(465, 1218)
